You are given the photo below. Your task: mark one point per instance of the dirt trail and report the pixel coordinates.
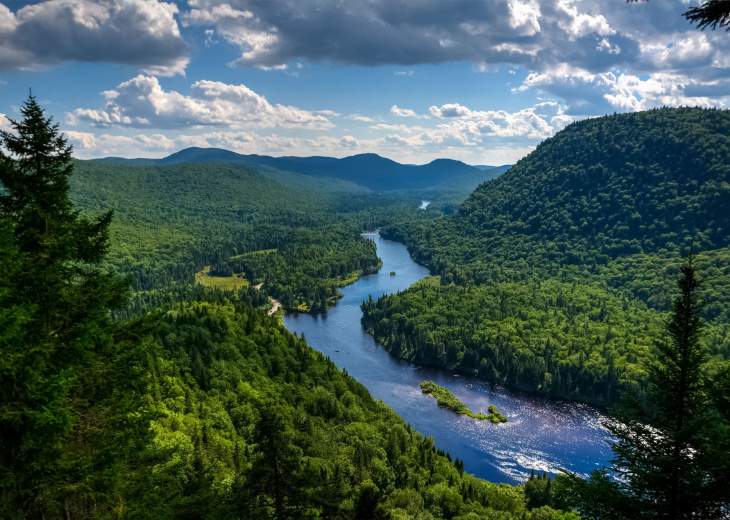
(277, 303)
(276, 306)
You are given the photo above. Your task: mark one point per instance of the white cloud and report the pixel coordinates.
(542, 36)
(215, 14)
(593, 94)
(143, 34)
(578, 25)
(142, 102)
(379, 32)
(537, 122)
(451, 110)
(402, 112)
(348, 141)
(525, 17)
(397, 128)
(4, 123)
(453, 130)
(414, 149)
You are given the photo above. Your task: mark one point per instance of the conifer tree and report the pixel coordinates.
(712, 14)
(664, 454)
(55, 358)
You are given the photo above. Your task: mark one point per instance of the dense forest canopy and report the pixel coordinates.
(174, 221)
(557, 271)
(203, 406)
(188, 401)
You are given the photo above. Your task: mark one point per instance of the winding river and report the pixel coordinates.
(542, 434)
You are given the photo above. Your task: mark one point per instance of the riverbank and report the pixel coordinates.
(535, 436)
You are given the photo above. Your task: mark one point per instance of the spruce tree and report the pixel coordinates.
(712, 14)
(56, 358)
(665, 454)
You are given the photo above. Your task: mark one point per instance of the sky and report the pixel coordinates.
(481, 81)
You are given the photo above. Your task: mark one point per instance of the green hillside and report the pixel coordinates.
(205, 407)
(369, 171)
(547, 267)
(172, 221)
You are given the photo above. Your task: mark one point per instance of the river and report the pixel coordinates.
(543, 434)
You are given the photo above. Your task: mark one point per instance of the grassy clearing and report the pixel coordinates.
(259, 252)
(227, 283)
(446, 399)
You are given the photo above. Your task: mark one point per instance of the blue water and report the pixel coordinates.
(542, 433)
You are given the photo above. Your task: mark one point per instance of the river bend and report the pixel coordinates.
(542, 433)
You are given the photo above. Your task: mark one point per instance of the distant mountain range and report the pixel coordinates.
(369, 170)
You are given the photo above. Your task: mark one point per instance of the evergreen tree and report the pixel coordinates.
(58, 356)
(664, 453)
(712, 14)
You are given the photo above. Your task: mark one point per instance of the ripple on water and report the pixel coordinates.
(542, 433)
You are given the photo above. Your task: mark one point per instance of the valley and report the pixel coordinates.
(254, 350)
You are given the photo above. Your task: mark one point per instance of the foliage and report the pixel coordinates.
(207, 408)
(69, 412)
(551, 337)
(604, 208)
(671, 453)
(362, 172)
(446, 399)
(254, 423)
(712, 14)
(172, 221)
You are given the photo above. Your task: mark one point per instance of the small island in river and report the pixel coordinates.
(446, 399)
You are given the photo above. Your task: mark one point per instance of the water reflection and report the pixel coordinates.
(542, 433)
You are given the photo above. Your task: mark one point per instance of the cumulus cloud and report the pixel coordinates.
(5, 123)
(609, 91)
(363, 119)
(144, 34)
(595, 37)
(537, 122)
(402, 112)
(142, 102)
(397, 128)
(89, 145)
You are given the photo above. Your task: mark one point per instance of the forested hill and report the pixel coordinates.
(628, 183)
(369, 170)
(544, 270)
(173, 221)
(205, 407)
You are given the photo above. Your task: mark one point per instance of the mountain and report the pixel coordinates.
(554, 277)
(369, 170)
(488, 167)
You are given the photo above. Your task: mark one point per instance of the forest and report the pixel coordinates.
(174, 221)
(129, 392)
(556, 276)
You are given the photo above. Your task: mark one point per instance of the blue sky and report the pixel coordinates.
(483, 81)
